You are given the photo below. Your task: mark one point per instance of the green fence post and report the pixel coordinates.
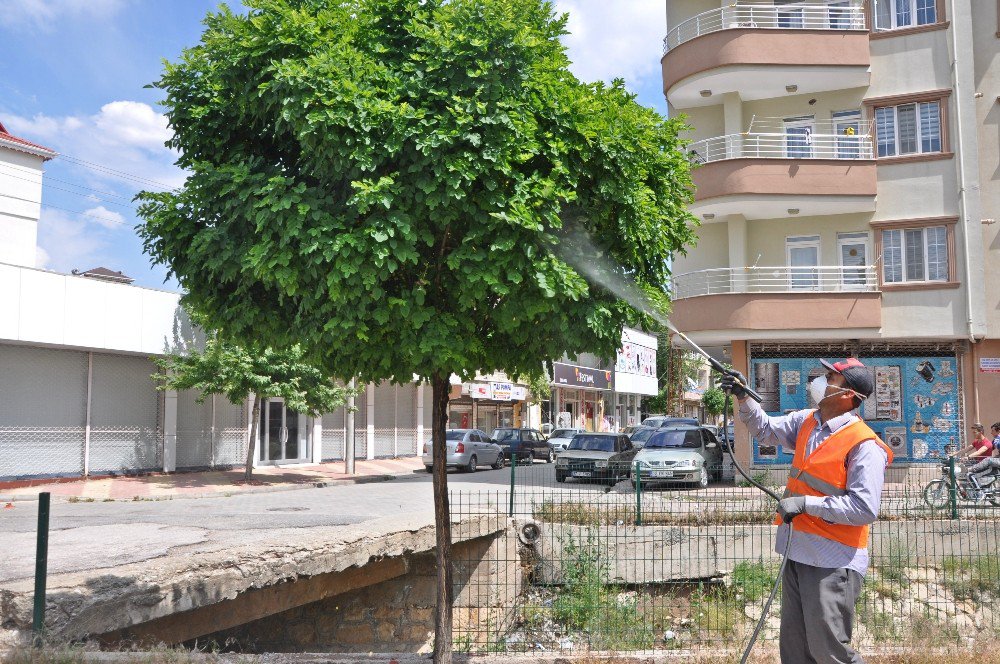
(638, 496)
(513, 467)
(41, 569)
(953, 491)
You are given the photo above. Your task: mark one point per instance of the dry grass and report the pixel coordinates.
(586, 514)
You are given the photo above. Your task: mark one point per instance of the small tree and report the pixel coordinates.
(714, 401)
(239, 373)
(387, 183)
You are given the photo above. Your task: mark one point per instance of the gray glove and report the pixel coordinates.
(789, 508)
(733, 382)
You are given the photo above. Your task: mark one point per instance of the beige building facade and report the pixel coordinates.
(848, 156)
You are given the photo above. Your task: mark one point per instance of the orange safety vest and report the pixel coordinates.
(824, 473)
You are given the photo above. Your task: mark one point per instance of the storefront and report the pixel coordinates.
(582, 397)
(487, 406)
(916, 408)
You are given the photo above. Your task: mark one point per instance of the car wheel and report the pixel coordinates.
(498, 464)
(429, 469)
(471, 468)
(550, 457)
(703, 478)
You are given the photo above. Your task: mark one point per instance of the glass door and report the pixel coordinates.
(280, 433)
(798, 137)
(803, 257)
(847, 127)
(853, 251)
(790, 16)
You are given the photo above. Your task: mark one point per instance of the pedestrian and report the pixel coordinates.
(833, 494)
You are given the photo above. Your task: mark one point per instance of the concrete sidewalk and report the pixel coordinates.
(161, 486)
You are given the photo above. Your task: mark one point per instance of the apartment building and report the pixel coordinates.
(848, 156)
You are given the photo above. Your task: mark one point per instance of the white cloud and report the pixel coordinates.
(67, 242)
(610, 40)
(42, 14)
(123, 143)
(105, 217)
(41, 258)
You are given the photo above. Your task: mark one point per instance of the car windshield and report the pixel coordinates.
(593, 443)
(563, 433)
(679, 438)
(652, 422)
(642, 435)
(504, 435)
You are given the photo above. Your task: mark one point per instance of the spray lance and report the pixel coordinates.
(577, 250)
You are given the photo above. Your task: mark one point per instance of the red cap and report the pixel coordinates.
(846, 364)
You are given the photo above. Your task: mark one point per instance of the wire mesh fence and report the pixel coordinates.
(615, 560)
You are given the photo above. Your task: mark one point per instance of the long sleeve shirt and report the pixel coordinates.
(866, 464)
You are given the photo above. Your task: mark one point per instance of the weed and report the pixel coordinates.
(718, 613)
(78, 499)
(762, 478)
(754, 580)
(970, 578)
(894, 561)
(587, 514)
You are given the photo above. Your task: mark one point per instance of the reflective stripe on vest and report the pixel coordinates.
(823, 473)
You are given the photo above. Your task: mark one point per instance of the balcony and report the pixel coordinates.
(762, 51)
(756, 302)
(781, 174)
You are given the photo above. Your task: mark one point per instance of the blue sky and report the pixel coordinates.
(73, 79)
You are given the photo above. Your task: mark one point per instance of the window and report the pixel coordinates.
(798, 137)
(853, 259)
(894, 14)
(803, 257)
(915, 254)
(908, 128)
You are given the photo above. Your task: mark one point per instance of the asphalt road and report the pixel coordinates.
(86, 536)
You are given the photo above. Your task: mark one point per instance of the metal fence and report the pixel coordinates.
(605, 562)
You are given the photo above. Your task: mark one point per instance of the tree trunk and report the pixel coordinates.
(252, 443)
(440, 387)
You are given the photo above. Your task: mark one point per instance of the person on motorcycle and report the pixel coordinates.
(991, 464)
(832, 495)
(980, 448)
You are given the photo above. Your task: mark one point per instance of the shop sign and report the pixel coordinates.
(519, 393)
(502, 391)
(989, 364)
(574, 376)
(481, 391)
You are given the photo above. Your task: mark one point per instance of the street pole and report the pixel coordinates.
(41, 569)
(349, 432)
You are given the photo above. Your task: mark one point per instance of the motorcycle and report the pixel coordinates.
(975, 488)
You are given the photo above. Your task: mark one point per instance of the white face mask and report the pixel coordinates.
(817, 389)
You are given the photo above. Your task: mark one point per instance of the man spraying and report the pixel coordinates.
(833, 494)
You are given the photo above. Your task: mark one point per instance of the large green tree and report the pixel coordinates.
(387, 183)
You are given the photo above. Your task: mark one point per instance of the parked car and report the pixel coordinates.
(660, 421)
(641, 435)
(680, 454)
(526, 444)
(468, 449)
(596, 456)
(559, 440)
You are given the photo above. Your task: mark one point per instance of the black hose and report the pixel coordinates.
(784, 554)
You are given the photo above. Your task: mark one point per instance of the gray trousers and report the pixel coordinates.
(817, 614)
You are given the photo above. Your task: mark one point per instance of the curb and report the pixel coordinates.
(225, 493)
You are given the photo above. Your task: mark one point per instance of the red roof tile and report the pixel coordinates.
(32, 148)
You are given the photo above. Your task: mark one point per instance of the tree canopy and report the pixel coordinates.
(386, 181)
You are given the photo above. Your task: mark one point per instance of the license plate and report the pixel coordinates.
(581, 473)
(662, 473)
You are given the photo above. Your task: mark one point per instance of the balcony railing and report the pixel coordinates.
(788, 145)
(765, 17)
(741, 280)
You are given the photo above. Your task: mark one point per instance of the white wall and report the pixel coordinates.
(20, 206)
(42, 307)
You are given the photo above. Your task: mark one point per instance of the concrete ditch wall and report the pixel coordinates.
(397, 614)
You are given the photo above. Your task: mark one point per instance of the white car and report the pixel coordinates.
(560, 438)
(680, 455)
(468, 449)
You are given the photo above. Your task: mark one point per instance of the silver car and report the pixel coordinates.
(468, 449)
(559, 440)
(681, 454)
